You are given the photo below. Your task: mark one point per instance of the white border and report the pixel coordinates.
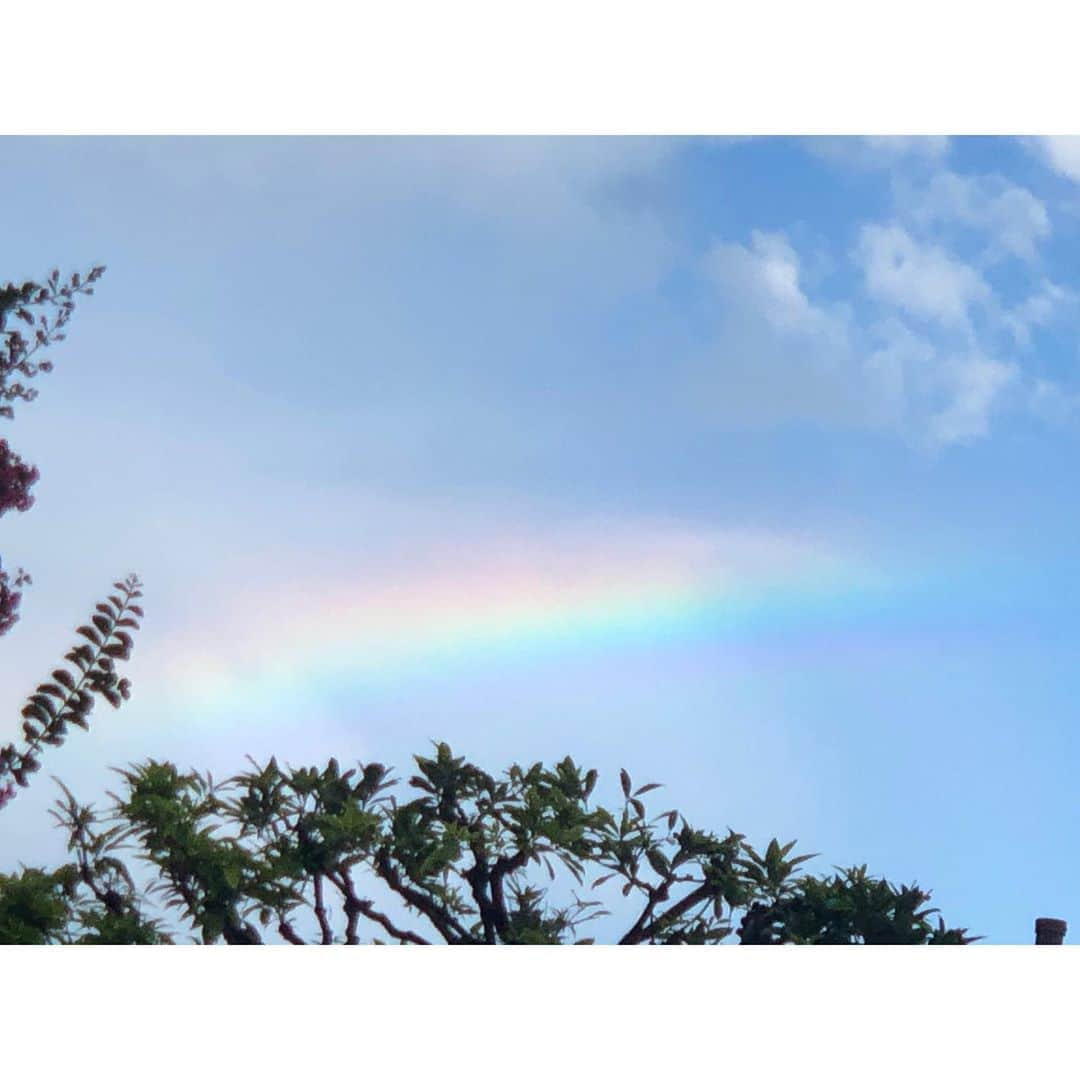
(560, 67)
(565, 66)
(541, 1012)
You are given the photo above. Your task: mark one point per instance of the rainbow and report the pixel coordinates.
(286, 648)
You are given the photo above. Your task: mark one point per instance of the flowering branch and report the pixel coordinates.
(16, 350)
(69, 700)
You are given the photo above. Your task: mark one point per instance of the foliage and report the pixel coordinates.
(462, 862)
(69, 698)
(44, 309)
(54, 302)
(91, 901)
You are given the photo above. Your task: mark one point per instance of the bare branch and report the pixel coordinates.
(451, 930)
(637, 934)
(355, 907)
(320, 913)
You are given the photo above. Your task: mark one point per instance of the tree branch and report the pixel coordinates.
(285, 929)
(355, 907)
(367, 909)
(240, 933)
(320, 913)
(657, 895)
(637, 934)
(479, 879)
(451, 930)
(502, 869)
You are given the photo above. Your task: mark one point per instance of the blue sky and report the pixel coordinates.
(449, 378)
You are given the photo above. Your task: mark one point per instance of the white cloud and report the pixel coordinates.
(880, 152)
(777, 356)
(892, 367)
(765, 275)
(942, 380)
(899, 146)
(1061, 153)
(1018, 220)
(548, 205)
(929, 391)
(1051, 403)
(1038, 309)
(974, 385)
(1015, 220)
(921, 279)
(780, 356)
(930, 367)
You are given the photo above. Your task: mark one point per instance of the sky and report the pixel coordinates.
(744, 464)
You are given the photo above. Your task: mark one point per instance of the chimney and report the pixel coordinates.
(1050, 931)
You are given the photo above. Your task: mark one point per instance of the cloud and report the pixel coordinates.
(780, 356)
(776, 356)
(948, 360)
(974, 384)
(765, 276)
(1052, 403)
(1014, 219)
(461, 169)
(880, 153)
(933, 391)
(551, 212)
(936, 393)
(1061, 153)
(928, 365)
(897, 354)
(900, 146)
(1039, 309)
(921, 279)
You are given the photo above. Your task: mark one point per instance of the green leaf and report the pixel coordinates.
(658, 861)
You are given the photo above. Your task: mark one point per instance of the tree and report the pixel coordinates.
(463, 862)
(45, 310)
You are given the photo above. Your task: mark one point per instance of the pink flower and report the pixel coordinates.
(9, 599)
(16, 477)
